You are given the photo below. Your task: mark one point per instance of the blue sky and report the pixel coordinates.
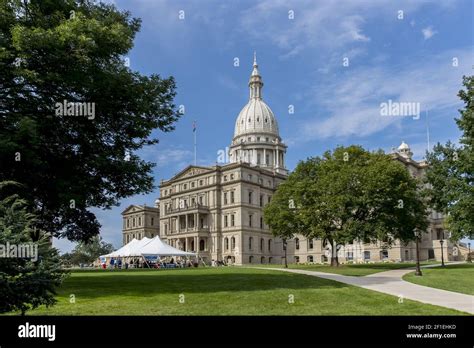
(301, 47)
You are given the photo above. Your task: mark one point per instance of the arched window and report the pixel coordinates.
(261, 244)
(250, 243)
(310, 258)
(226, 243)
(232, 243)
(250, 259)
(262, 260)
(201, 245)
(297, 244)
(269, 245)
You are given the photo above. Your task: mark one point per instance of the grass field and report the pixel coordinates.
(357, 270)
(222, 291)
(458, 278)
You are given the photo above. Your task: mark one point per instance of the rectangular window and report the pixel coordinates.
(152, 221)
(250, 220)
(366, 255)
(310, 244)
(128, 223)
(232, 197)
(225, 197)
(261, 222)
(350, 255)
(232, 220)
(225, 221)
(200, 200)
(261, 200)
(250, 197)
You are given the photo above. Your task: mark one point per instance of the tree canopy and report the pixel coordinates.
(348, 194)
(451, 172)
(25, 282)
(73, 53)
(87, 252)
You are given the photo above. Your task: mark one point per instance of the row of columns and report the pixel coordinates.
(275, 154)
(177, 243)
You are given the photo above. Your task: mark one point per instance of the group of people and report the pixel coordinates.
(136, 262)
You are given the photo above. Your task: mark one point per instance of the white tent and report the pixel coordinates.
(147, 247)
(123, 251)
(156, 247)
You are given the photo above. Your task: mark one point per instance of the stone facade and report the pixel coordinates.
(217, 212)
(140, 221)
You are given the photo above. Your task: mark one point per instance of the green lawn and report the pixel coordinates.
(222, 291)
(458, 278)
(357, 270)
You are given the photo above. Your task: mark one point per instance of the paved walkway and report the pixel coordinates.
(391, 282)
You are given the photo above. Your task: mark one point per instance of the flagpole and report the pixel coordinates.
(195, 131)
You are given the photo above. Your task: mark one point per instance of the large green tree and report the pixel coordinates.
(56, 51)
(451, 172)
(348, 194)
(25, 282)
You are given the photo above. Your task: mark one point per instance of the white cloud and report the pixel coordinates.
(428, 32)
(349, 104)
(329, 26)
(165, 157)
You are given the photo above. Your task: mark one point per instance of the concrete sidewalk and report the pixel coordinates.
(391, 282)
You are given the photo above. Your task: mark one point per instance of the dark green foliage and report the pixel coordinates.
(25, 283)
(51, 51)
(348, 194)
(451, 172)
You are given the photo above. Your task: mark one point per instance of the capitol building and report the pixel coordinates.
(217, 211)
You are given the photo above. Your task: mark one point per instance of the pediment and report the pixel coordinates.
(132, 208)
(190, 171)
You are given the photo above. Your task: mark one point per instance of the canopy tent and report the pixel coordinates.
(156, 247)
(147, 247)
(125, 250)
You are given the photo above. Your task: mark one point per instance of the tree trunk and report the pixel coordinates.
(334, 258)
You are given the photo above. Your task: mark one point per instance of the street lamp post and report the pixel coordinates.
(469, 259)
(442, 254)
(418, 269)
(284, 248)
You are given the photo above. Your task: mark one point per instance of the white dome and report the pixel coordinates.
(256, 117)
(404, 146)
